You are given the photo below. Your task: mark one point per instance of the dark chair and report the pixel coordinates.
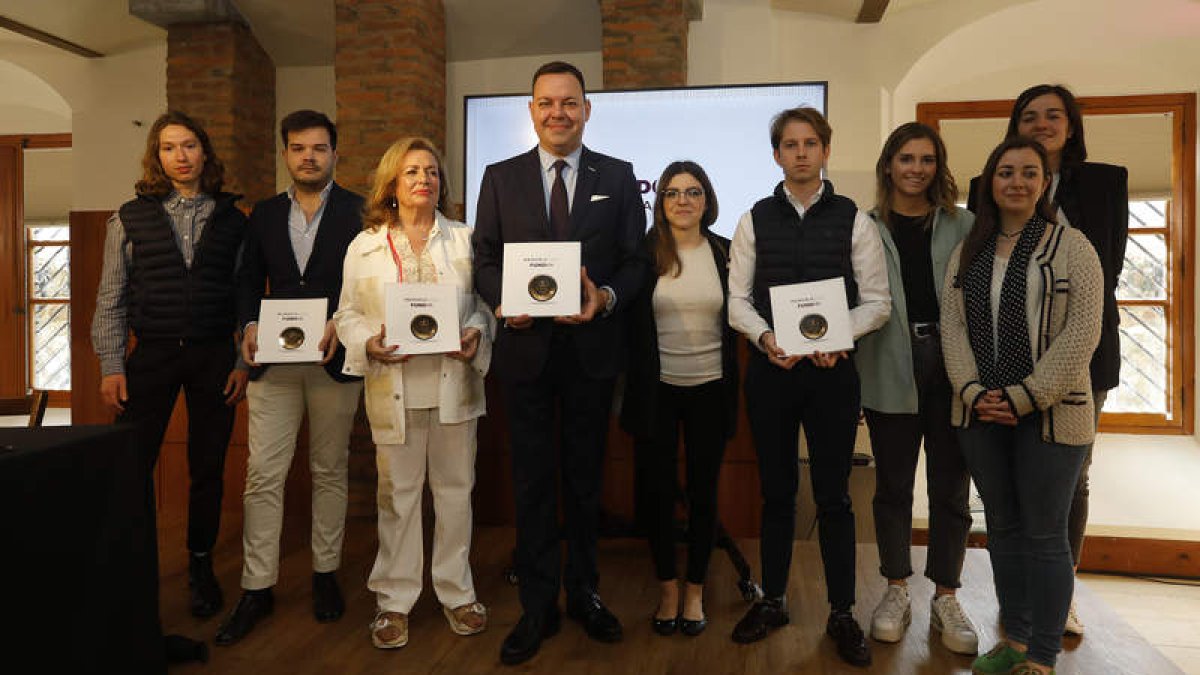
(33, 404)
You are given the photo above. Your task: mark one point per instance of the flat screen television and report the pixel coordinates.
(723, 128)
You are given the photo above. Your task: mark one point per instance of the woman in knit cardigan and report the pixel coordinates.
(1094, 199)
(1020, 319)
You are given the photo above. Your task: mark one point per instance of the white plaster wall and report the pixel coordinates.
(299, 87)
(28, 105)
(106, 98)
(498, 76)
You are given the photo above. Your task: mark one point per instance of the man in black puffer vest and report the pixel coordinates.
(804, 232)
(170, 258)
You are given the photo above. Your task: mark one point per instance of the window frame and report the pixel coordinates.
(17, 377)
(1180, 304)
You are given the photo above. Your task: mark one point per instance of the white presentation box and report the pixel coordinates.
(290, 330)
(422, 318)
(812, 317)
(541, 279)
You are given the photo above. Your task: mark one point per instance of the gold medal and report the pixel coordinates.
(423, 327)
(813, 326)
(543, 287)
(291, 338)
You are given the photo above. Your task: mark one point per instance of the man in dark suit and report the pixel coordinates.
(560, 191)
(295, 246)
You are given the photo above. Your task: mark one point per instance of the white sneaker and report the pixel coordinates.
(892, 616)
(1073, 626)
(947, 616)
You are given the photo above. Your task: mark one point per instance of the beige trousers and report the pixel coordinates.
(278, 401)
(445, 453)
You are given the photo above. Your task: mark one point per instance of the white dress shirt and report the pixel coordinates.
(866, 258)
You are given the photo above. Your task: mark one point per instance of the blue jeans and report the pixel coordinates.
(1027, 485)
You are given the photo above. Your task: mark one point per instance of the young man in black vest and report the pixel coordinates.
(170, 257)
(295, 246)
(804, 232)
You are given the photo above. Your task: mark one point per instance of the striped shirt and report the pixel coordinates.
(110, 324)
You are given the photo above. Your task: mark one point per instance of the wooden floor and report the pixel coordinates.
(290, 642)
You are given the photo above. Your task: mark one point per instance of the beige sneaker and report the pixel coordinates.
(389, 630)
(467, 619)
(892, 615)
(1073, 626)
(948, 617)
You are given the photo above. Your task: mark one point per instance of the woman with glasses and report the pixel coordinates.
(1094, 199)
(905, 388)
(682, 375)
(1021, 317)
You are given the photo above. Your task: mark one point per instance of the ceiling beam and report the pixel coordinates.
(46, 38)
(872, 11)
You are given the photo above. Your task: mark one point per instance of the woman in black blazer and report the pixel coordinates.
(1093, 198)
(682, 372)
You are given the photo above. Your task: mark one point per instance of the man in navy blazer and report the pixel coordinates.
(560, 191)
(295, 246)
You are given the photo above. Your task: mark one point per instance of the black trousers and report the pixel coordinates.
(826, 402)
(896, 444)
(583, 405)
(154, 373)
(700, 410)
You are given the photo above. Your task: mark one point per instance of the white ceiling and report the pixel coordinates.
(301, 32)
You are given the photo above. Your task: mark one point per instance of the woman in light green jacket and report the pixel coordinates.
(905, 391)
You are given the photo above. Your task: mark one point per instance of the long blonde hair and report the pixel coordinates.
(380, 209)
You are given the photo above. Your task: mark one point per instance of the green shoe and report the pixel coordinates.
(1023, 668)
(1001, 659)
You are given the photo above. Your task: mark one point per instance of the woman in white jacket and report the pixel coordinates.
(423, 409)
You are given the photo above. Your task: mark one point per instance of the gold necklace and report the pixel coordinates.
(1008, 235)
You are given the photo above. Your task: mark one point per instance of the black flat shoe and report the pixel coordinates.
(692, 628)
(664, 627)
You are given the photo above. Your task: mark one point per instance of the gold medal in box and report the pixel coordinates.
(813, 326)
(423, 327)
(291, 338)
(543, 288)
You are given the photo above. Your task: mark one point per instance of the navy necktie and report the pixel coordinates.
(560, 215)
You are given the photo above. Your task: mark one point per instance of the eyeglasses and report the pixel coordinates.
(692, 193)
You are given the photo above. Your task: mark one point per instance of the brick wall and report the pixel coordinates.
(390, 81)
(644, 43)
(390, 69)
(219, 74)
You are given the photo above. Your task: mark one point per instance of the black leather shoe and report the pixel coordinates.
(252, 606)
(692, 628)
(664, 627)
(202, 583)
(595, 618)
(760, 618)
(526, 637)
(848, 636)
(328, 604)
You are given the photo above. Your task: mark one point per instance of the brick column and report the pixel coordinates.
(390, 69)
(218, 74)
(644, 43)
